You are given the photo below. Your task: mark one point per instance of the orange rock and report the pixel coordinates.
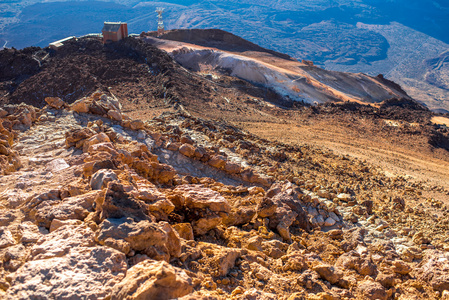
(153, 280)
(81, 105)
(115, 115)
(96, 139)
(74, 136)
(217, 161)
(55, 102)
(137, 125)
(187, 150)
(184, 230)
(232, 168)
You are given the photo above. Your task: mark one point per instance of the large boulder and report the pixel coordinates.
(61, 241)
(371, 290)
(77, 136)
(157, 240)
(6, 238)
(96, 139)
(101, 179)
(84, 273)
(77, 207)
(283, 207)
(153, 280)
(207, 207)
(55, 102)
(353, 260)
(434, 269)
(66, 264)
(117, 203)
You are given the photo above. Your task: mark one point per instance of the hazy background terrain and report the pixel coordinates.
(407, 41)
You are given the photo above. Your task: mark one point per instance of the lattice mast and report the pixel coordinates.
(160, 21)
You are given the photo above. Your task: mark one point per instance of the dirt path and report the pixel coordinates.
(392, 159)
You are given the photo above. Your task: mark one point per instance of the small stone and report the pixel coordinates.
(173, 146)
(401, 267)
(320, 220)
(54, 102)
(382, 226)
(141, 135)
(57, 165)
(6, 238)
(420, 239)
(372, 290)
(115, 115)
(30, 232)
(137, 124)
(187, 150)
(101, 179)
(334, 216)
(445, 295)
(232, 168)
(266, 208)
(254, 243)
(323, 194)
(387, 280)
(96, 139)
(358, 210)
(237, 291)
(329, 273)
(217, 161)
(329, 222)
(184, 230)
(80, 106)
(254, 190)
(344, 197)
(43, 118)
(3, 113)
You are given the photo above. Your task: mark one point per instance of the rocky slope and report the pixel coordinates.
(104, 206)
(101, 200)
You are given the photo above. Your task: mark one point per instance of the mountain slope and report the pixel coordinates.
(99, 199)
(393, 38)
(288, 77)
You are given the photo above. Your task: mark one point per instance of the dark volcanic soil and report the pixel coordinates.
(81, 67)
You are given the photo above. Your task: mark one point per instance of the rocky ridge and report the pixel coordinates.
(98, 205)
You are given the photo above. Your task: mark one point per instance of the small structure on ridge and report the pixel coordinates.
(160, 21)
(114, 31)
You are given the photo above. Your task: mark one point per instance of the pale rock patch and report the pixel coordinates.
(82, 273)
(31, 232)
(6, 238)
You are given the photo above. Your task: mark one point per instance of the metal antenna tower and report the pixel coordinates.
(160, 21)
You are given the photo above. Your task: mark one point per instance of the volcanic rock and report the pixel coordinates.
(151, 279)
